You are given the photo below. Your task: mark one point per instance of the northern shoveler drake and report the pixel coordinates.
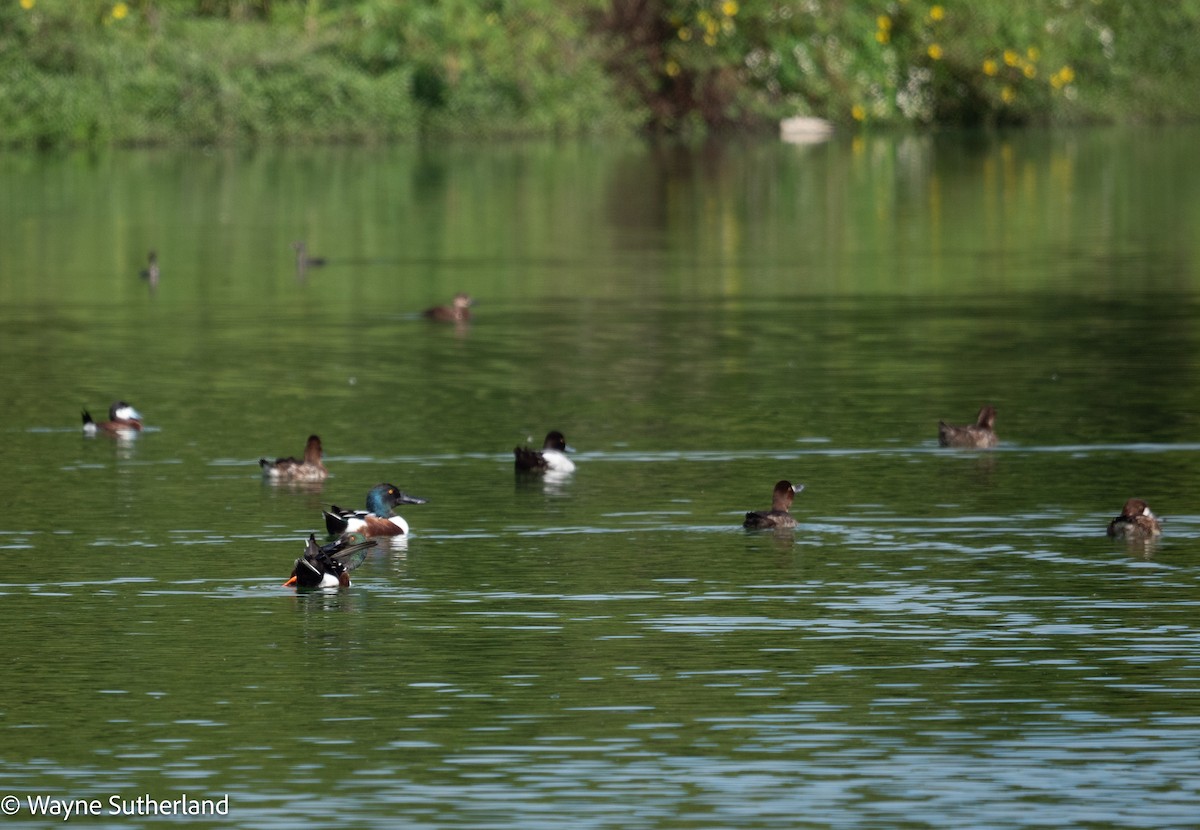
(293, 469)
(1135, 522)
(150, 272)
(552, 458)
(979, 435)
(778, 515)
(123, 419)
(303, 260)
(378, 519)
(329, 566)
(458, 312)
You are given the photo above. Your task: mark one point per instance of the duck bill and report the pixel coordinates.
(405, 498)
(290, 582)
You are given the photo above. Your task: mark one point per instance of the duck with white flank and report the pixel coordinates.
(378, 519)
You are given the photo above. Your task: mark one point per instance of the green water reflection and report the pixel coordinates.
(948, 638)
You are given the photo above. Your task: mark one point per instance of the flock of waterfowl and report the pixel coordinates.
(354, 531)
(329, 565)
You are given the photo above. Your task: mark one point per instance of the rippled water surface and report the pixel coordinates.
(947, 639)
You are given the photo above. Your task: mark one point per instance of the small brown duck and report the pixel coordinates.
(979, 435)
(778, 515)
(294, 469)
(458, 312)
(1135, 522)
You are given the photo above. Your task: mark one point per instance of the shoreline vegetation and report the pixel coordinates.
(148, 72)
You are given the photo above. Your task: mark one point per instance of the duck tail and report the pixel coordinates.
(334, 523)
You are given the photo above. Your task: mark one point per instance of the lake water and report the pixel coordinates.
(947, 639)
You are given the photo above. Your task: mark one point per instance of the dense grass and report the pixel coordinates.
(150, 71)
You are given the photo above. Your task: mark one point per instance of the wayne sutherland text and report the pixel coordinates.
(143, 805)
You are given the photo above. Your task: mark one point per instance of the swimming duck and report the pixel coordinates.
(378, 519)
(459, 312)
(150, 272)
(122, 419)
(303, 260)
(329, 566)
(552, 458)
(778, 515)
(293, 469)
(1135, 522)
(979, 435)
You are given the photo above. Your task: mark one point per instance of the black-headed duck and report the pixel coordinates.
(551, 458)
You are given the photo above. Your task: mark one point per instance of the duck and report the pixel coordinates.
(778, 515)
(1135, 522)
(458, 312)
(303, 260)
(123, 419)
(378, 519)
(552, 458)
(329, 566)
(150, 272)
(979, 435)
(293, 469)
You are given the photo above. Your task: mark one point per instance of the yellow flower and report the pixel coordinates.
(120, 11)
(1033, 53)
(1062, 77)
(934, 51)
(883, 23)
(990, 67)
(858, 112)
(672, 69)
(729, 8)
(937, 13)
(27, 4)
(685, 34)
(710, 40)
(1008, 95)
(1030, 70)
(1011, 58)
(882, 36)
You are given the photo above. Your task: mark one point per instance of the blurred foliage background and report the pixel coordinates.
(152, 71)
